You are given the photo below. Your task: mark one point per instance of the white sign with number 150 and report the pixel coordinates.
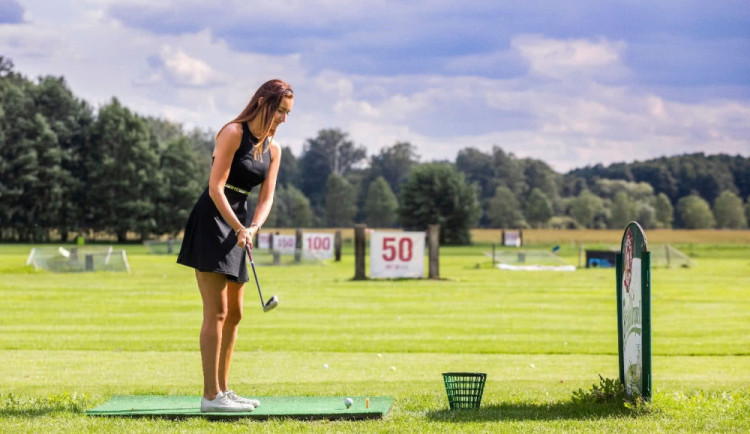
(396, 254)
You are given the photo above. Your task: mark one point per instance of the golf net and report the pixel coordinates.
(167, 247)
(528, 260)
(665, 255)
(78, 259)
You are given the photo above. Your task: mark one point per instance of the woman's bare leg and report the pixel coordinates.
(213, 288)
(229, 333)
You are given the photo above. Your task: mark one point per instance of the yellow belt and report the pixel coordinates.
(237, 189)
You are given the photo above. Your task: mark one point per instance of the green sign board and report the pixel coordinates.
(633, 265)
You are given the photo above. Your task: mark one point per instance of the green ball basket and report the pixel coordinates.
(464, 389)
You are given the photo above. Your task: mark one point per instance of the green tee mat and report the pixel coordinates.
(296, 407)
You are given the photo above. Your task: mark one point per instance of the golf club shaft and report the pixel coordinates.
(249, 249)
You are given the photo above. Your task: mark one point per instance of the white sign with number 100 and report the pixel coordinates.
(396, 254)
(317, 246)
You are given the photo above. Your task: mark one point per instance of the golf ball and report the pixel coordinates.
(348, 402)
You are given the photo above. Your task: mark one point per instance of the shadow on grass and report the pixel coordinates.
(528, 411)
(27, 412)
(13, 406)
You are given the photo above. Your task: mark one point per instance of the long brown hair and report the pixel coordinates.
(272, 93)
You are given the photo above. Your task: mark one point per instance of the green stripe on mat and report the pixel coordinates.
(297, 407)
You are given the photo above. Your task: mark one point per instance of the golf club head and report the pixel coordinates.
(272, 302)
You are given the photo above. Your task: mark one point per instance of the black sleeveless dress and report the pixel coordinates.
(209, 243)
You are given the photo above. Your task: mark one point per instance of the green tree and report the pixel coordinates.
(277, 218)
(184, 167)
(300, 213)
(6, 66)
(487, 171)
(504, 210)
(664, 210)
(538, 209)
(44, 199)
(437, 193)
(729, 212)
(608, 189)
(70, 120)
(394, 164)
(706, 176)
(165, 131)
(289, 168)
(508, 171)
(330, 152)
(624, 210)
(478, 167)
(123, 168)
(381, 205)
(740, 168)
(646, 215)
(539, 175)
(19, 165)
(657, 175)
(586, 207)
(180, 186)
(341, 205)
(681, 175)
(694, 212)
(202, 143)
(291, 209)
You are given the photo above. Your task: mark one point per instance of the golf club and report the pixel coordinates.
(273, 301)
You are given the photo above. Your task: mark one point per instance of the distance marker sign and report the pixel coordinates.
(634, 312)
(317, 246)
(396, 254)
(284, 244)
(264, 241)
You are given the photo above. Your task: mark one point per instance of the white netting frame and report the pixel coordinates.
(166, 247)
(78, 259)
(529, 260)
(666, 255)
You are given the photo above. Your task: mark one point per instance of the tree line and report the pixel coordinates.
(67, 169)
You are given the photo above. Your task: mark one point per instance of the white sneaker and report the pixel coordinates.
(223, 404)
(237, 398)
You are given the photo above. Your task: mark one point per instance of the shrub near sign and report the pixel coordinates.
(397, 254)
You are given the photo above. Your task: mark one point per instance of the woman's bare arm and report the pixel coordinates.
(267, 189)
(227, 144)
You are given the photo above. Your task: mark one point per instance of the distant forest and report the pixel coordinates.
(67, 169)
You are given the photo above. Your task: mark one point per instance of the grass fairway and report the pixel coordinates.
(69, 342)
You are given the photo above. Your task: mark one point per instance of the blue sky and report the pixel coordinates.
(572, 83)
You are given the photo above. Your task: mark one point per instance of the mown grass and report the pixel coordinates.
(70, 341)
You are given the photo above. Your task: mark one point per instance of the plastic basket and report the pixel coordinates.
(464, 389)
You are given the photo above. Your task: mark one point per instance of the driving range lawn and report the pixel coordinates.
(69, 342)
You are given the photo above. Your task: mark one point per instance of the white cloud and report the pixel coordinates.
(179, 68)
(23, 40)
(571, 102)
(563, 58)
(598, 123)
(482, 63)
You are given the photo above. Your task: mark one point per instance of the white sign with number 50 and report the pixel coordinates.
(396, 254)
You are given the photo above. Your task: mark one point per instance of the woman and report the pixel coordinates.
(216, 234)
